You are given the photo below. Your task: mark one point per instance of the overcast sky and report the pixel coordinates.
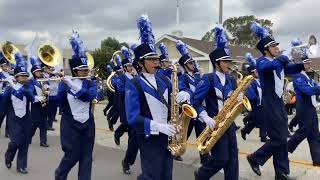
(98, 19)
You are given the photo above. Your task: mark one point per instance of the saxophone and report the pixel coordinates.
(177, 144)
(231, 109)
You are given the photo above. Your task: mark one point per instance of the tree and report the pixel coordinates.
(238, 30)
(103, 55)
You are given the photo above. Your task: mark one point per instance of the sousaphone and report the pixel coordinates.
(49, 55)
(9, 50)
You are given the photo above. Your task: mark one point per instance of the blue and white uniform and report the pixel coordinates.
(143, 106)
(52, 105)
(271, 75)
(4, 107)
(77, 129)
(37, 113)
(214, 89)
(255, 117)
(306, 91)
(18, 99)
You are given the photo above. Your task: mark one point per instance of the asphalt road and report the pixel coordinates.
(43, 161)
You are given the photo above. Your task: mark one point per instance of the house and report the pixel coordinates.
(200, 51)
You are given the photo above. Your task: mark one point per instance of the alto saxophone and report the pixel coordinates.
(178, 143)
(231, 109)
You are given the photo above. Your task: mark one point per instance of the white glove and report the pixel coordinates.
(9, 79)
(240, 97)
(203, 116)
(46, 86)
(39, 98)
(183, 96)
(72, 85)
(163, 128)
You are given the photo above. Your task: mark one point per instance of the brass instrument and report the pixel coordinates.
(286, 94)
(49, 55)
(177, 144)
(240, 76)
(61, 78)
(109, 82)
(9, 50)
(231, 109)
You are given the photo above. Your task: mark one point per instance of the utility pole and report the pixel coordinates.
(220, 11)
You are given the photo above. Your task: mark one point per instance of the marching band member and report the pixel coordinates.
(53, 86)
(188, 82)
(271, 70)
(38, 107)
(132, 148)
(113, 114)
(18, 97)
(4, 73)
(77, 122)
(254, 94)
(306, 90)
(214, 89)
(165, 61)
(118, 94)
(147, 106)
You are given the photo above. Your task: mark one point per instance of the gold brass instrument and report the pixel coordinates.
(49, 55)
(286, 94)
(109, 79)
(109, 82)
(9, 50)
(178, 143)
(61, 78)
(231, 109)
(240, 76)
(90, 60)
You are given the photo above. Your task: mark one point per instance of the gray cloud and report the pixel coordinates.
(98, 19)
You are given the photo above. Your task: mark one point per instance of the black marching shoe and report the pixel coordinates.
(243, 135)
(8, 164)
(254, 166)
(196, 176)
(44, 145)
(283, 177)
(117, 140)
(22, 171)
(178, 158)
(264, 139)
(125, 168)
(316, 164)
(50, 129)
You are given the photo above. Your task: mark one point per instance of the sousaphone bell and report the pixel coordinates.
(9, 50)
(49, 55)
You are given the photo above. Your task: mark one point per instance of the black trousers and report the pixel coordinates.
(132, 149)
(77, 141)
(19, 140)
(224, 155)
(156, 160)
(39, 120)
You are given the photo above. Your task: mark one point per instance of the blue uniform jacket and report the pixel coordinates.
(189, 83)
(253, 95)
(87, 93)
(304, 89)
(271, 74)
(137, 108)
(211, 90)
